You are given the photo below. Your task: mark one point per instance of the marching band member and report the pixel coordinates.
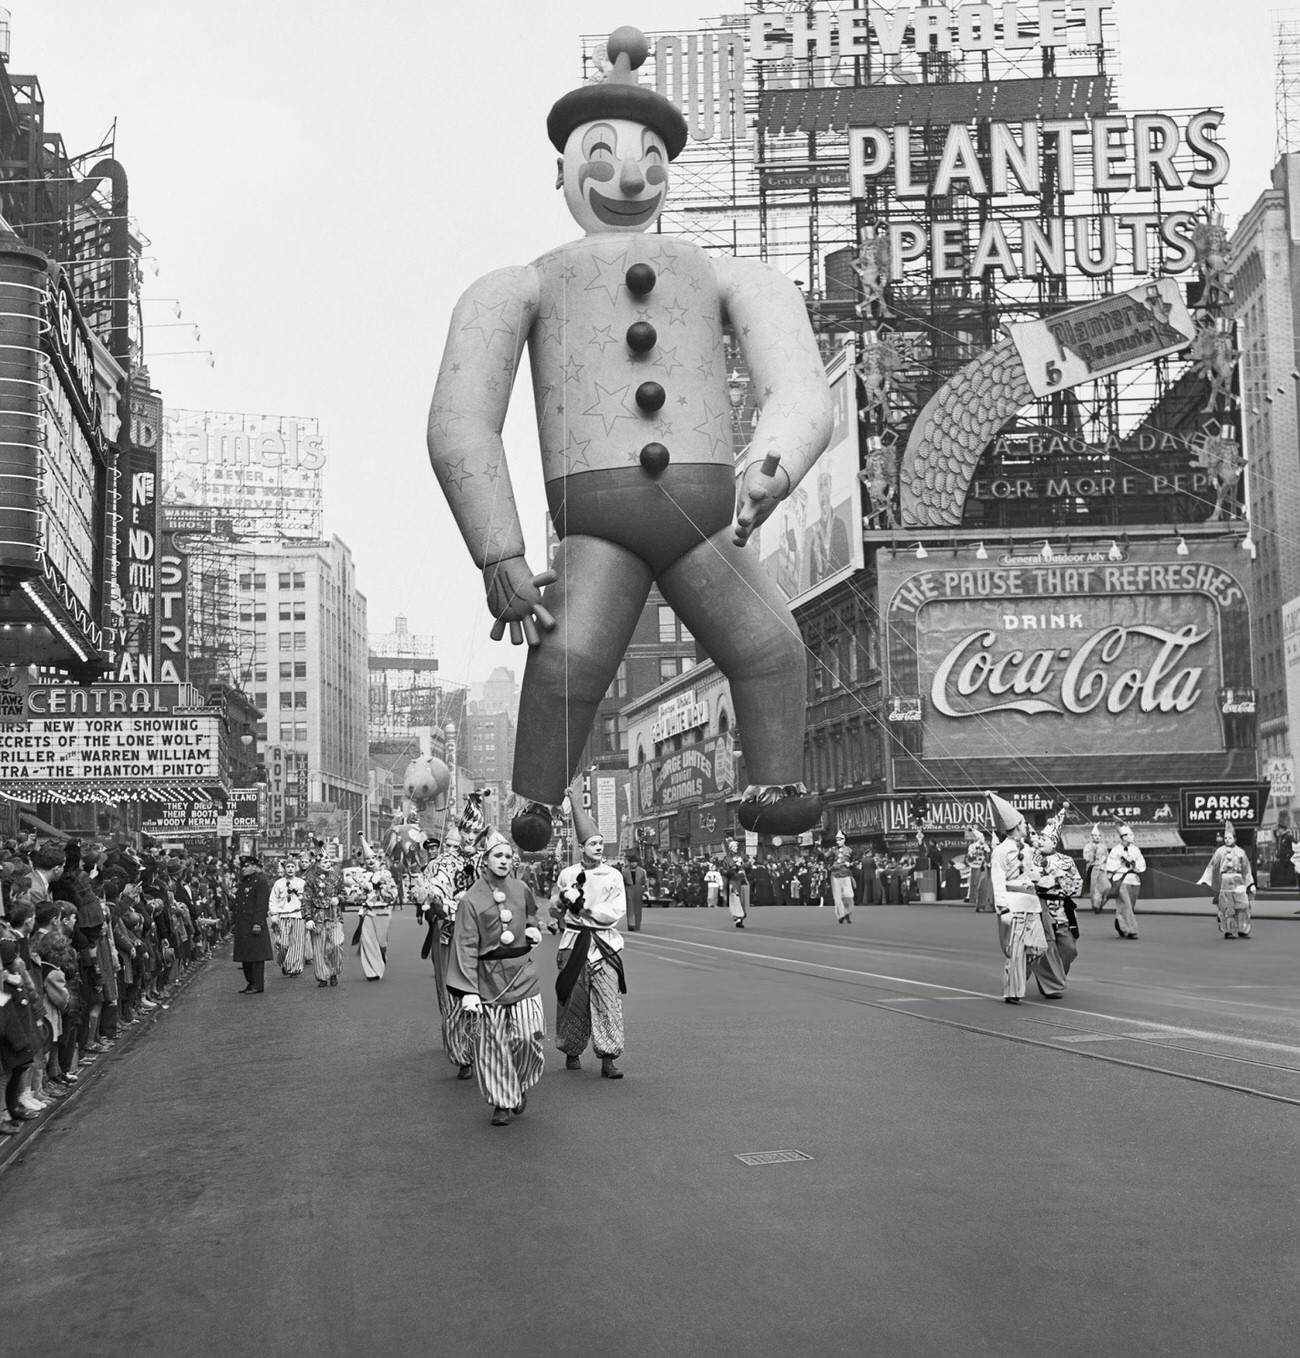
(1013, 870)
(490, 970)
(1230, 878)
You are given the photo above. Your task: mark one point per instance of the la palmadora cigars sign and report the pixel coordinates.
(111, 749)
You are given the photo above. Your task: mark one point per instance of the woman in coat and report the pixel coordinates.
(252, 933)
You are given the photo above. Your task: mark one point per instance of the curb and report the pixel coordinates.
(14, 1147)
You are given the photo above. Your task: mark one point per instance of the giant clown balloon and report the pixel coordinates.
(625, 336)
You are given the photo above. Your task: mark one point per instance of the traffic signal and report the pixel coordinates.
(920, 808)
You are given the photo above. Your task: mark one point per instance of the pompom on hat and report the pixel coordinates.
(619, 96)
(1003, 817)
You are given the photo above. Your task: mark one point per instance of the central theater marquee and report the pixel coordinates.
(112, 749)
(1093, 670)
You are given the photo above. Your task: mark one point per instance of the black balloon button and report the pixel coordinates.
(641, 279)
(650, 396)
(654, 458)
(641, 337)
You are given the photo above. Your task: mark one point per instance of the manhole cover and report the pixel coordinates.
(771, 1157)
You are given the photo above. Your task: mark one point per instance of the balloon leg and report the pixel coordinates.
(597, 603)
(741, 618)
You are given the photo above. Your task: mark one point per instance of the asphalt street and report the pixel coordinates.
(300, 1172)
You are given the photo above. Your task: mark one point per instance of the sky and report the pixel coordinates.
(320, 181)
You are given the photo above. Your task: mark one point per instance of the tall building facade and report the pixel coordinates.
(308, 667)
(1266, 280)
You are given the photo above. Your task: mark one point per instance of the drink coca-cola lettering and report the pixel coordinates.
(1114, 669)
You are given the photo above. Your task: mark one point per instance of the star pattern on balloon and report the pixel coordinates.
(489, 321)
(551, 325)
(602, 336)
(442, 417)
(676, 313)
(668, 359)
(609, 274)
(456, 473)
(709, 426)
(571, 368)
(574, 454)
(610, 406)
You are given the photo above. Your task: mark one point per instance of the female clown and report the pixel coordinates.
(491, 972)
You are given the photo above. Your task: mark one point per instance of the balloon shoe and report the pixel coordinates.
(531, 828)
(777, 810)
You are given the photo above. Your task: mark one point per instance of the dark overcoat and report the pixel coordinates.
(252, 898)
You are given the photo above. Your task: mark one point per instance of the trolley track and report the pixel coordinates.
(1277, 1081)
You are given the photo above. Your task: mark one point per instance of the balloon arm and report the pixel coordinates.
(787, 376)
(484, 343)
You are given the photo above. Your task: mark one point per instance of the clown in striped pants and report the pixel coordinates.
(290, 948)
(508, 1052)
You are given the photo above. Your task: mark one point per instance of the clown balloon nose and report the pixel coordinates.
(619, 96)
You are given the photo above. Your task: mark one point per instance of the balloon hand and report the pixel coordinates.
(759, 496)
(514, 596)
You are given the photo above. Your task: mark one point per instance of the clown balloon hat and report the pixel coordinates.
(619, 96)
(1003, 817)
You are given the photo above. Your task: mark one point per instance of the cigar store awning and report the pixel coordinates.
(1146, 836)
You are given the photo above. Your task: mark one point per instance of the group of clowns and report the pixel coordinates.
(1031, 885)
(483, 924)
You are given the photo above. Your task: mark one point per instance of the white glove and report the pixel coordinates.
(533, 934)
(471, 1004)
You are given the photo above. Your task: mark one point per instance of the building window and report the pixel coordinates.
(300, 641)
(667, 668)
(299, 669)
(259, 701)
(286, 700)
(286, 611)
(261, 731)
(300, 699)
(286, 669)
(300, 610)
(667, 624)
(299, 580)
(259, 580)
(286, 731)
(286, 641)
(246, 581)
(286, 580)
(259, 674)
(300, 730)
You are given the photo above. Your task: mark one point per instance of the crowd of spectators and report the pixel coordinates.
(94, 938)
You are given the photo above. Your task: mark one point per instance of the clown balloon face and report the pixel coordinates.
(614, 173)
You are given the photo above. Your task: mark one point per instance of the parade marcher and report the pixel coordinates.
(590, 900)
(1058, 883)
(286, 917)
(445, 879)
(1095, 881)
(977, 860)
(634, 883)
(251, 927)
(841, 868)
(322, 907)
(1124, 866)
(376, 911)
(1230, 877)
(713, 883)
(1013, 870)
(737, 879)
(490, 971)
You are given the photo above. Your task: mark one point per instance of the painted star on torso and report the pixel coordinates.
(610, 274)
(611, 406)
(490, 321)
(575, 454)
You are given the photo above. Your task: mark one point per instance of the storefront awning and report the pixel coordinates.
(1074, 837)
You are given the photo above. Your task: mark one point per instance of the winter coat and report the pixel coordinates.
(252, 902)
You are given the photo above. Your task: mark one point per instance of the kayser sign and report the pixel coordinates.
(1100, 658)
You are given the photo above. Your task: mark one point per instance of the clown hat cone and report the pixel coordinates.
(1003, 817)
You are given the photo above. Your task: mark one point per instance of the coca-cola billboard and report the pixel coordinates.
(1075, 667)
